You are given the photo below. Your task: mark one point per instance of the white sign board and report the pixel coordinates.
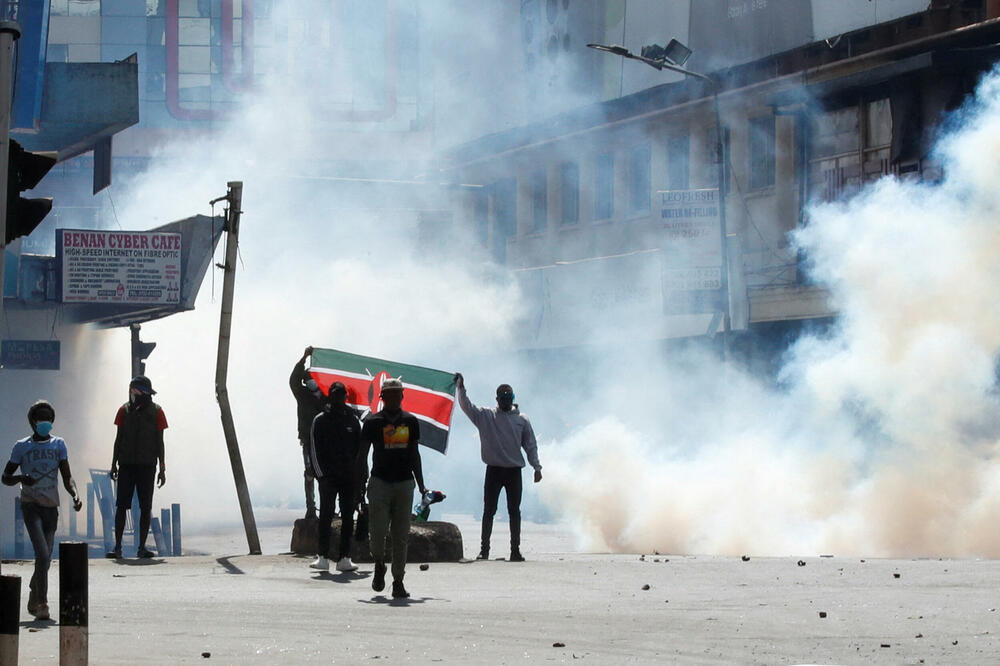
(692, 246)
(124, 267)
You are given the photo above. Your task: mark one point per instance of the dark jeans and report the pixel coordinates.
(40, 521)
(508, 478)
(138, 480)
(329, 490)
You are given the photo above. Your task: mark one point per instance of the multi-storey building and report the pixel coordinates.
(582, 205)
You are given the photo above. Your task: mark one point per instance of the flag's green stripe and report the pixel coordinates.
(436, 380)
(435, 438)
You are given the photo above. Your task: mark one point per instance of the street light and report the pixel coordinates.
(672, 57)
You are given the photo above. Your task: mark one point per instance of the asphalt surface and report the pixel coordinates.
(556, 607)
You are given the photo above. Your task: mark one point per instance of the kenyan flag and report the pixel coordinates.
(428, 394)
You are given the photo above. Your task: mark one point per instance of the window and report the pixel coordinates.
(848, 146)
(569, 174)
(481, 216)
(539, 201)
(504, 216)
(678, 161)
(639, 179)
(761, 149)
(604, 186)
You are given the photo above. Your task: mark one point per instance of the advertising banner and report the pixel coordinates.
(693, 247)
(124, 267)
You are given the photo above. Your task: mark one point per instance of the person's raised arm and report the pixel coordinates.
(299, 373)
(474, 412)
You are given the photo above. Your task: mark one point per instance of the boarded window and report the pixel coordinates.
(569, 190)
(678, 162)
(761, 151)
(639, 179)
(604, 186)
(539, 200)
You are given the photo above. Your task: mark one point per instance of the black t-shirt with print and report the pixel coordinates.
(394, 444)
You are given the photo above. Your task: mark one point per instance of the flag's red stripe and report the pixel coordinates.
(416, 401)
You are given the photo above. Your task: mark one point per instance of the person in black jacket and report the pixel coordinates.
(308, 403)
(335, 446)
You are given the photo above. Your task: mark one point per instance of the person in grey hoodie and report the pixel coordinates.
(503, 432)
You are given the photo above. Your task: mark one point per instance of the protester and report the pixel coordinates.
(503, 432)
(308, 403)
(138, 447)
(393, 436)
(40, 456)
(335, 452)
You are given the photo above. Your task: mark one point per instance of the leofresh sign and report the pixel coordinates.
(692, 245)
(126, 267)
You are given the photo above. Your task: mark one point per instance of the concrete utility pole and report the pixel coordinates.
(10, 31)
(234, 198)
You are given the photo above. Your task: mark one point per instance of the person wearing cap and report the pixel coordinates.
(41, 456)
(335, 453)
(503, 432)
(138, 447)
(308, 403)
(393, 435)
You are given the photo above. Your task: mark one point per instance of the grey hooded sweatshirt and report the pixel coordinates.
(502, 435)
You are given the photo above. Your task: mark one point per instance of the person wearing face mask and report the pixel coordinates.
(503, 432)
(308, 403)
(138, 447)
(41, 456)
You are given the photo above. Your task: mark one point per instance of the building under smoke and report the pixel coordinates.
(583, 206)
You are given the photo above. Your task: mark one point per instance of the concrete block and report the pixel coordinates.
(433, 541)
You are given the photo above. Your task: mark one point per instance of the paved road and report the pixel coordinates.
(273, 609)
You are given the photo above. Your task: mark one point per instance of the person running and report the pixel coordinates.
(393, 435)
(503, 432)
(41, 456)
(308, 403)
(335, 451)
(138, 447)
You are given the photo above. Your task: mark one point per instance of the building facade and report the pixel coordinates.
(579, 205)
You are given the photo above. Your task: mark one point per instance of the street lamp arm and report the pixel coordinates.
(658, 63)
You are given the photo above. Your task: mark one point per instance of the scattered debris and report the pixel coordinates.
(832, 556)
(32, 630)
(801, 563)
(954, 642)
(117, 575)
(862, 561)
(206, 655)
(895, 575)
(642, 558)
(646, 586)
(424, 567)
(885, 645)
(919, 636)
(656, 560)
(558, 645)
(745, 558)
(822, 613)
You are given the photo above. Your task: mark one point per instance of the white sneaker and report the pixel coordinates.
(321, 563)
(345, 564)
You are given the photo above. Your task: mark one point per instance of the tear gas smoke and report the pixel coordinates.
(881, 440)
(883, 437)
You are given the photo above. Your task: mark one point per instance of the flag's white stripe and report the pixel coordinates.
(421, 417)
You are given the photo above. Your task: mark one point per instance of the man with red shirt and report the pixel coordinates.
(138, 446)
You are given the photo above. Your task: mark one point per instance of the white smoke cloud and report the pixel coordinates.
(883, 436)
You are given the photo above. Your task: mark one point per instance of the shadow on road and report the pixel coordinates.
(341, 576)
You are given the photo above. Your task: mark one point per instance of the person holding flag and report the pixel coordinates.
(308, 404)
(503, 432)
(393, 436)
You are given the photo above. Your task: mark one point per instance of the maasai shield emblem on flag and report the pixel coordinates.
(427, 394)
